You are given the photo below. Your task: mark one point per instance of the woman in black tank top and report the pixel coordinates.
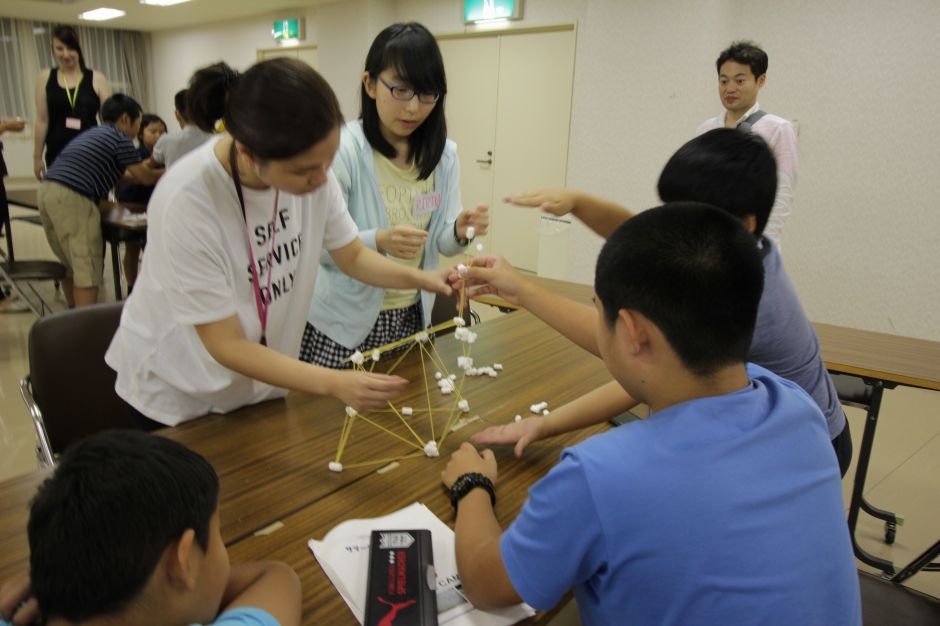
(67, 101)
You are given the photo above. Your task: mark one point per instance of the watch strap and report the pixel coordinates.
(466, 483)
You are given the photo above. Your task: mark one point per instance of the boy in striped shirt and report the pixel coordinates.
(82, 175)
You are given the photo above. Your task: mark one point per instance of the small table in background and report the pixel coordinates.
(118, 226)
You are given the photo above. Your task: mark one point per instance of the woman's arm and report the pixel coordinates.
(101, 86)
(42, 124)
(368, 266)
(226, 343)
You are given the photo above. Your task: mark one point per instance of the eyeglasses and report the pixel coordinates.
(406, 93)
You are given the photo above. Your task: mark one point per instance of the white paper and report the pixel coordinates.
(344, 556)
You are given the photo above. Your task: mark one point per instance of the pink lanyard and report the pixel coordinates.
(260, 302)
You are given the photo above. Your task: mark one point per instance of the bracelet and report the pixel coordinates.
(466, 483)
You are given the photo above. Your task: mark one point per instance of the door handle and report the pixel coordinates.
(488, 161)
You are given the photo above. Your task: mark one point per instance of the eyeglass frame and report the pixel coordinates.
(392, 89)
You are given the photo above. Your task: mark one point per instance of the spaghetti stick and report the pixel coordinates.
(404, 457)
(407, 425)
(427, 391)
(387, 431)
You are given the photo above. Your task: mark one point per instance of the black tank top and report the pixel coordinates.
(87, 105)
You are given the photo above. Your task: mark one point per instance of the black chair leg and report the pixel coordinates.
(923, 562)
(861, 471)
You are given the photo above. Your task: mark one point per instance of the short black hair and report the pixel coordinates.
(411, 50)
(99, 525)
(179, 101)
(725, 167)
(746, 53)
(692, 270)
(278, 109)
(117, 105)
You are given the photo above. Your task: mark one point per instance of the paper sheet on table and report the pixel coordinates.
(344, 556)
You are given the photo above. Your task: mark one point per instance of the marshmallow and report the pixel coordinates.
(376, 355)
(453, 377)
(460, 321)
(356, 357)
(335, 467)
(351, 412)
(465, 362)
(538, 408)
(462, 269)
(464, 406)
(471, 232)
(479, 247)
(498, 367)
(437, 375)
(407, 410)
(518, 418)
(544, 411)
(422, 337)
(430, 449)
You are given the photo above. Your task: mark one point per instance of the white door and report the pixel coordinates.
(528, 77)
(472, 66)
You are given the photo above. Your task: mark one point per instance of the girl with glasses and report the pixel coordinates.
(401, 179)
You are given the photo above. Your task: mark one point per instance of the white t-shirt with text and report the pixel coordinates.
(196, 270)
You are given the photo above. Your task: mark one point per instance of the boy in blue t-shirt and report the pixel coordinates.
(127, 531)
(723, 507)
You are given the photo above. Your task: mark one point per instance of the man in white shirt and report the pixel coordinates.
(742, 72)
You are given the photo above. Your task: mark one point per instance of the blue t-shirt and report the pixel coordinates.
(722, 510)
(785, 341)
(245, 616)
(242, 616)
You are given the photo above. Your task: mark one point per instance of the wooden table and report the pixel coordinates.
(272, 458)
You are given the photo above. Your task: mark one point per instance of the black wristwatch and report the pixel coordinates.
(466, 483)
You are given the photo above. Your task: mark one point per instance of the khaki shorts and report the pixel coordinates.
(73, 227)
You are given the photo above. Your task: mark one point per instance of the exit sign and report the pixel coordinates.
(486, 10)
(288, 29)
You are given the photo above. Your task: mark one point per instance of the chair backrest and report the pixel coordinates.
(71, 383)
(445, 308)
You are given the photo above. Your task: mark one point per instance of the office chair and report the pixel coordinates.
(69, 390)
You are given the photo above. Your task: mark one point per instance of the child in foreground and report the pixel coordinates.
(723, 507)
(126, 531)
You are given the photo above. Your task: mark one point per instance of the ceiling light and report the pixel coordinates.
(100, 15)
(162, 3)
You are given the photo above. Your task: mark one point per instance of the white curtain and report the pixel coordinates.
(16, 95)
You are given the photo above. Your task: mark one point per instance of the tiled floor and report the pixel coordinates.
(904, 475)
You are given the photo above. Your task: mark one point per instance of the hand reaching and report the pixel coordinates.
(401, 241)
(520, 433)
(556, 200)
(478, 217)
(365, 391)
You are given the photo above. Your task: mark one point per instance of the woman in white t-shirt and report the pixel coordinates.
(235, 233)
(400, 176)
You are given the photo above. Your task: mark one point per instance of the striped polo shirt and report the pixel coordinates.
(93, 162)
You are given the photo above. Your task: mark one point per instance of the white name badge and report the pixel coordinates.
(426, 203)
(74, 123)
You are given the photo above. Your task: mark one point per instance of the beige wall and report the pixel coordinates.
(861, 244)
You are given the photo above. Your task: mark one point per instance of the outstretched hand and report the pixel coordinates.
(490, 275)
(555, 200)
(401, 241)
(478, 217)
(520, 433)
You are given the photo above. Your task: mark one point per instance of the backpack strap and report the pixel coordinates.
(750, 120)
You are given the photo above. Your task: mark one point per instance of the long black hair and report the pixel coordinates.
(277, 109)
(67, 35)
(412, 52)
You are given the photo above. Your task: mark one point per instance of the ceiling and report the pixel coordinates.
(148, 18)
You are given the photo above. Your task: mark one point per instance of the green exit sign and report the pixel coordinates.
(486, 10)
(288, 29)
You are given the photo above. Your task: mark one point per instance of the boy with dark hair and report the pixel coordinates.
(725, 168)
(127, 531)
(742, 72)
(170, 148)
(696, 515)
(82, 175)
